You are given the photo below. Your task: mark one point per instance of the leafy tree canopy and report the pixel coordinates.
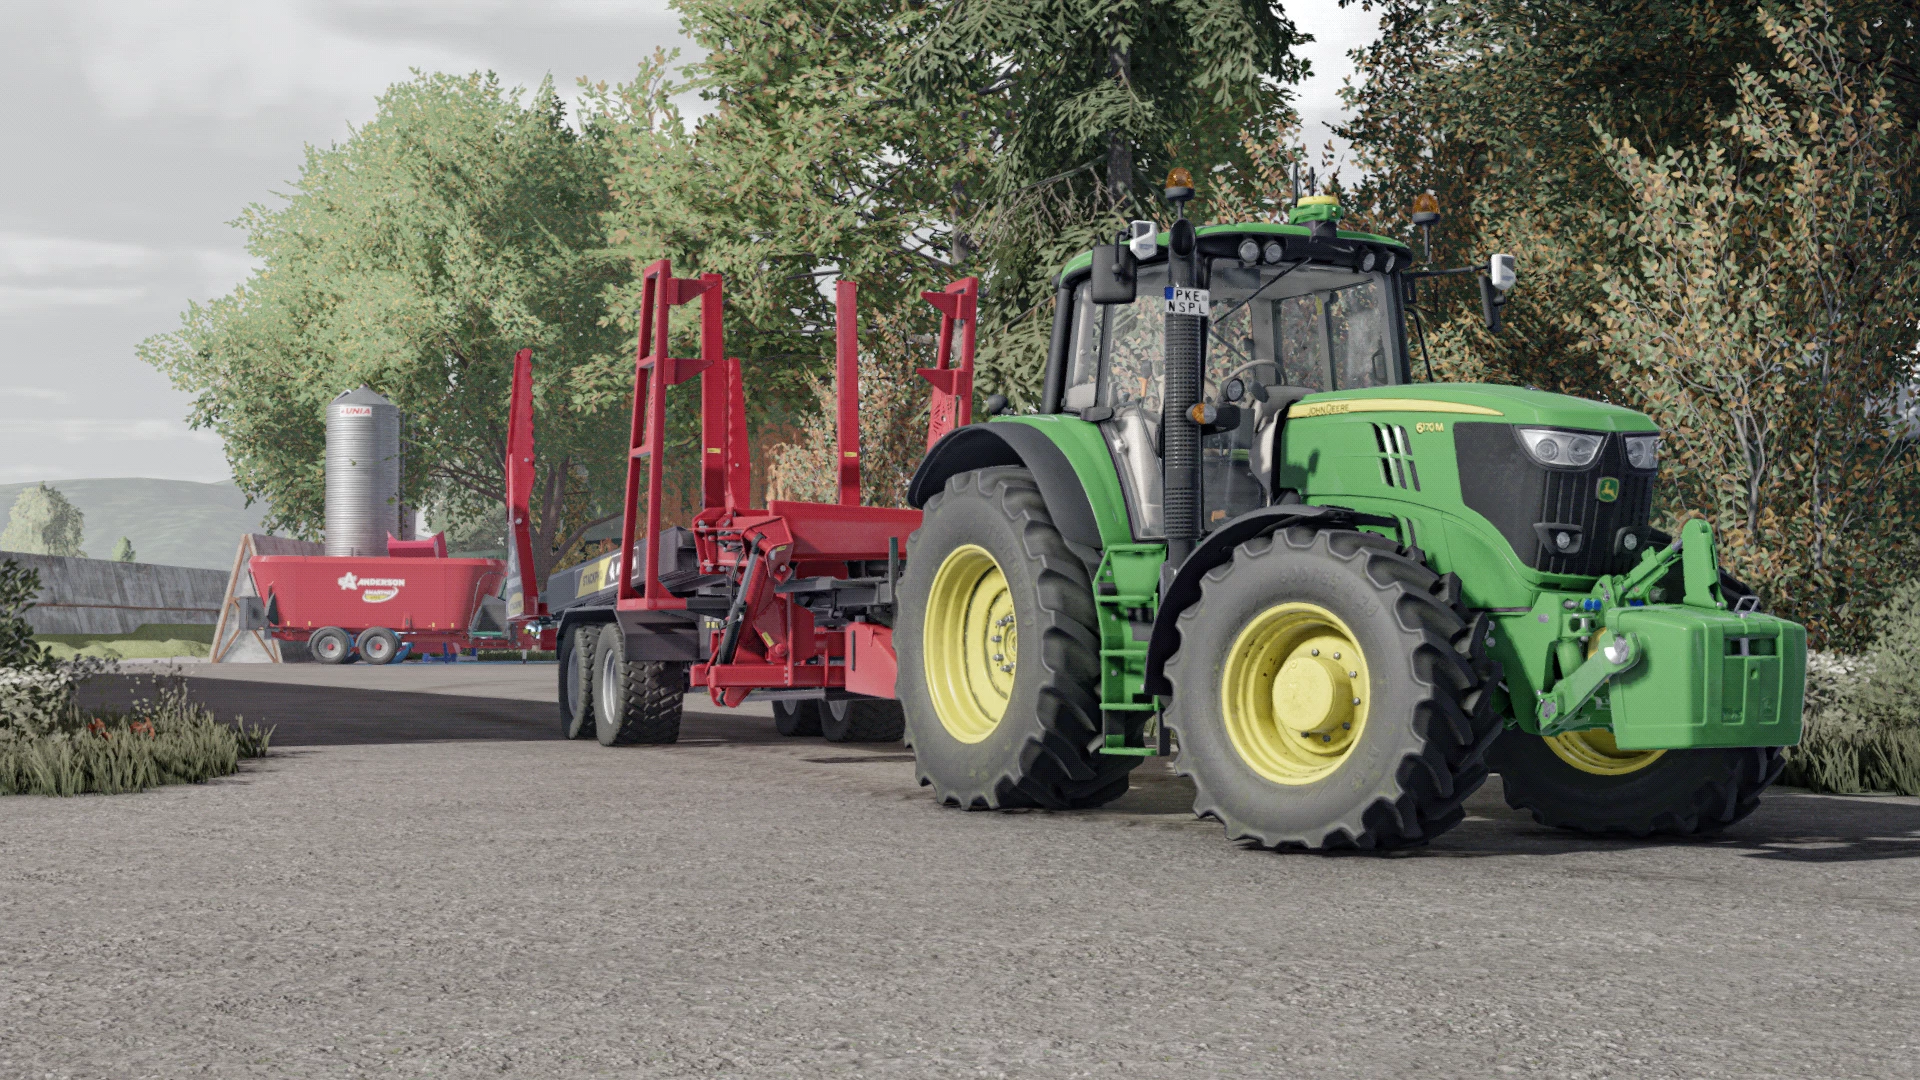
(458, 226)
(43, 522)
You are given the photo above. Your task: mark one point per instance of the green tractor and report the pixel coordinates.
(1237, 531)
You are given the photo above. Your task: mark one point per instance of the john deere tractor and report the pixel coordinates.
(1239, 532)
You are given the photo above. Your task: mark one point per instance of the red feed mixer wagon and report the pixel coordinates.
(415, 598)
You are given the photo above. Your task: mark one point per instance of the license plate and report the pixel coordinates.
(1186, 301)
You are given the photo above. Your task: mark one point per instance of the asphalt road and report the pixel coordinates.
(422, 881)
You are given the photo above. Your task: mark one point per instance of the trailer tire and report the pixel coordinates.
(577, 671)
(635, 701)
(796, 719)
(1043, 748)
(870, 720)
(1390, 769)
(378, 645)
(330, 645)
(1677, 793)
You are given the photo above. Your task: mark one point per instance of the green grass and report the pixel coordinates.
(200, 632)
(1850, 758)
(168, 740)
(502, 656)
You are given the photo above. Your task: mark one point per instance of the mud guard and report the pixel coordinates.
(983, 446)
(1217, 548)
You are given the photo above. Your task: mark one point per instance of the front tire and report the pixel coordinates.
(1580, 781)
(635, 701)
(1328, 695)
(999, 653)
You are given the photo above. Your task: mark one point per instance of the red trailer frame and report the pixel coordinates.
(767, 558)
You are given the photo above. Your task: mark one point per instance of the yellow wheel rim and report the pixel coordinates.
(1594, 751)
(970, 641)
(1295, 693)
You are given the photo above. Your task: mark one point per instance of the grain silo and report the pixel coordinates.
(363, 473)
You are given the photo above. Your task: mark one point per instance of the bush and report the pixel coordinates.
(169, 740)
(1863, 713)
(48, 746)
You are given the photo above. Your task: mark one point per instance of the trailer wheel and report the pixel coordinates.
(1326, 695)
(999, 653)
(577, 672)
(635, 701)
(872, 720)
(378, 645)
(796, 719)
(1583, 782)
(330, 645)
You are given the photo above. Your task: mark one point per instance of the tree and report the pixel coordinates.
(43, 522)
(123, 551)
(1707, 293)
(1084, 106)
(461, 224)
(1770, 317)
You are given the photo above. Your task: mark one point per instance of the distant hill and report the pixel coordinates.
(172, 522)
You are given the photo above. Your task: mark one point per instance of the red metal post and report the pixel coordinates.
(952, 404)
(846, 389)
(520, 482)
(655, 369)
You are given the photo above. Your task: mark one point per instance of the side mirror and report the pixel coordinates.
(1114, 280)
(1143, 241)
(1493, 289)
(1500, 271)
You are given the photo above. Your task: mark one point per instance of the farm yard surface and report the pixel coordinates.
(423, 880)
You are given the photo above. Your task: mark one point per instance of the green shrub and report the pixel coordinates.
(48, 746)
(1863, 713)
(168, 740)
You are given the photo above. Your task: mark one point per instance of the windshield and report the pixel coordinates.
(1297, 325)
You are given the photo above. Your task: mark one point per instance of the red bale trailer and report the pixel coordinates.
(787, 602)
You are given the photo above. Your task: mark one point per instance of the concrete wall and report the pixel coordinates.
(98, 596)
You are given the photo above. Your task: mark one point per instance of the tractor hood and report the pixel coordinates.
(1484, 401)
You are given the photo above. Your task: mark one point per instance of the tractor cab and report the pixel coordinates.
(1287, 313)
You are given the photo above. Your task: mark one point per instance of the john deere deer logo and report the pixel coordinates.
(1608, 489)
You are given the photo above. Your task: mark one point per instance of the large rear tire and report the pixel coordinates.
(1000, 653)
(1328, 693)
(1580, 781)
(874, 720)
(577, 671)
(635, 701)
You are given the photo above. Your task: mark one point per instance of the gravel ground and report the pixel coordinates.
(444, 890)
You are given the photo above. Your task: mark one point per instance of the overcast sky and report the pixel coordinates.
(136, 129)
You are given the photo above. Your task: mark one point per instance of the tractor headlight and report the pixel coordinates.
(1274, 251)
(1249, 252)
(1566, 449)
(1643, 451)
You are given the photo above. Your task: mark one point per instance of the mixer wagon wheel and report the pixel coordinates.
(1328, 695)
(1582, 781)
(330, 645)
(1000, 653)
(635, 701)
(577, 672)
(796, 719)
(872, 720)
(378, 645)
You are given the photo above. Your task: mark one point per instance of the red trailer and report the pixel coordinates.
(416, 597)
(787, 602)
(374, 606)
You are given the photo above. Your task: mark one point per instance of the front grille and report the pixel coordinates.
(1396, 457)
(1501, 481)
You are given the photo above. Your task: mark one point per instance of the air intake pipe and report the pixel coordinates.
(1180, 436)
